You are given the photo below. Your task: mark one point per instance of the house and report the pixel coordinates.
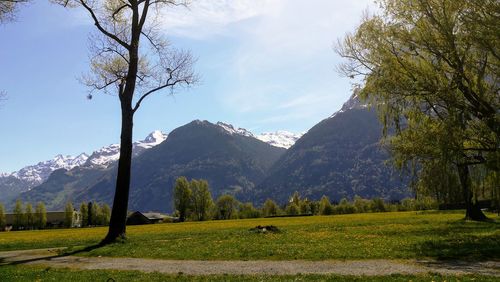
(138, 218)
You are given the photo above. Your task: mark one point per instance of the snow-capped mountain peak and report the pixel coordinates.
(107, 155)
(155, 137)
(231, 130)
(281, 138)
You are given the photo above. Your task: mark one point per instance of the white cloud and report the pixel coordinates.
(206, 18)
(278, 62)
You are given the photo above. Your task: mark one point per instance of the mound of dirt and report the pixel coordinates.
(265, 229)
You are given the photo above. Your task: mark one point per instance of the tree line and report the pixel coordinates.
(27, 218)
(193, 201)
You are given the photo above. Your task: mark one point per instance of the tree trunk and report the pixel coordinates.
(472, 210)
(117, 224)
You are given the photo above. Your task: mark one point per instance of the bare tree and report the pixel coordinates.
(129, 57)
(8, 9)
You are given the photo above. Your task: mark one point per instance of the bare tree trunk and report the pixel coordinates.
(472, 210)
(117, 224)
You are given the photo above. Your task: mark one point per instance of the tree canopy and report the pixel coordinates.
(8, 9)
(431, 68)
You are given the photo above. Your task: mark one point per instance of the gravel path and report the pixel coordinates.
(49, 257)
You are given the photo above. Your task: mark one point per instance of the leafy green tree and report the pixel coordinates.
(131, 59)
(227, 207)
(182, 197)
(84, 212)
(439, 180)
(270, 208)
(19, 219)
(69, 215)
(344, 207)
(325, 207)
(96, 213)
(314, 207)
(361, 205)
(3, 221)
(105, 214)
(201, 199)
(40, 215)
(247, 210)
(292, 209)
(28, 215)
(91, 214)
(431, 68)
(305, 207)
(377, 205)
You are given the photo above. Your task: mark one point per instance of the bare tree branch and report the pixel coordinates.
(99, 26)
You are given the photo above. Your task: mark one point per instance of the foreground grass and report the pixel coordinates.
(29, 273)
(398, 235)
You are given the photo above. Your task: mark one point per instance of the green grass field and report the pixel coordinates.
(398, 235)
(27, 273)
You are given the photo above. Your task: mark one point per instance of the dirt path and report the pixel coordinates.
(48, 257)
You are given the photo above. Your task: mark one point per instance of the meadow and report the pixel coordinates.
(395, 235)
(27, 273)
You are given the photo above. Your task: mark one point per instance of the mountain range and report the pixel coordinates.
(338, 157)
(17, 182)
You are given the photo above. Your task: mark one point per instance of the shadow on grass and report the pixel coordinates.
(23, 257)
(460, 241)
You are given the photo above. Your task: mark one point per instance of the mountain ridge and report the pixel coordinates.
(232, 163)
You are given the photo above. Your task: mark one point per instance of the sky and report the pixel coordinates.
(265, 65)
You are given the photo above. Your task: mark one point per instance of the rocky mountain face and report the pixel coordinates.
(339, 157)
(233, 162)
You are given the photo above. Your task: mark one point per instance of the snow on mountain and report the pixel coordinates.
(107, 155)
(231, 130)
(36, 174)
(104, 156)
(280, 138)
(153, 139)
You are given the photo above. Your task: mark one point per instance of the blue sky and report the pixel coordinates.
(265, 65)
